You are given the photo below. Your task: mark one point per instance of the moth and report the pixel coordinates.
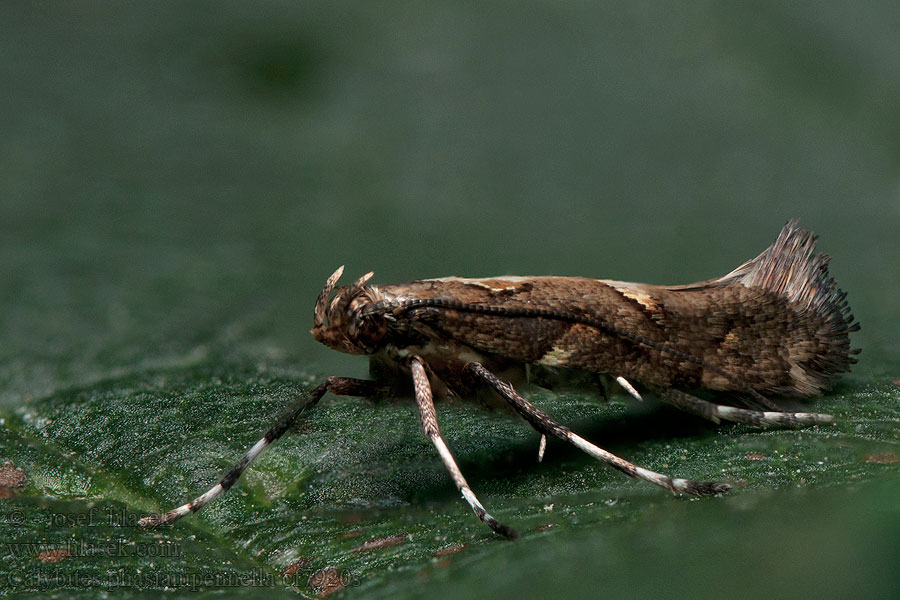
(776, 326)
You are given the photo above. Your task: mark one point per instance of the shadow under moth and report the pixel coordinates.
(776, 326)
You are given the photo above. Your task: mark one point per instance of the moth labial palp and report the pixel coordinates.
(776, 326)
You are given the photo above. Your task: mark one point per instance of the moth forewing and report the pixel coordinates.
(775, 326)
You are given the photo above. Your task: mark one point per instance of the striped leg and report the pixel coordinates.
(428, 418)
(757, 418)
(341, 386)
(547, 426)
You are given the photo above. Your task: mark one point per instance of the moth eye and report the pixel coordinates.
(369, 331)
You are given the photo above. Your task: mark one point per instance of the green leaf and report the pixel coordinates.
(356, 488)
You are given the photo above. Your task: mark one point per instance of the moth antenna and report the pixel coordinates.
(322, 300)
(600, 324)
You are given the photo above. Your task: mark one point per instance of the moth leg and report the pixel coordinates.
(542, 447)
(341, 386)
(626, 385)
(428, 418)
(546, 425)
(757, 418)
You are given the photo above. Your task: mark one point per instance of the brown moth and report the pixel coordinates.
(775, 326)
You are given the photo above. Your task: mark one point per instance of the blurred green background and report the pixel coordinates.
(178, 179)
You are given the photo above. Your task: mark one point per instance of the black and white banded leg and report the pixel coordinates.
(547, 426)
(428, 419)
(757, 418)
(341, 386)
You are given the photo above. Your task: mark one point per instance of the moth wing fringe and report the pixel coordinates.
(791, 268)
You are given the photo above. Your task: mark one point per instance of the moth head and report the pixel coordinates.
(344, 321)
